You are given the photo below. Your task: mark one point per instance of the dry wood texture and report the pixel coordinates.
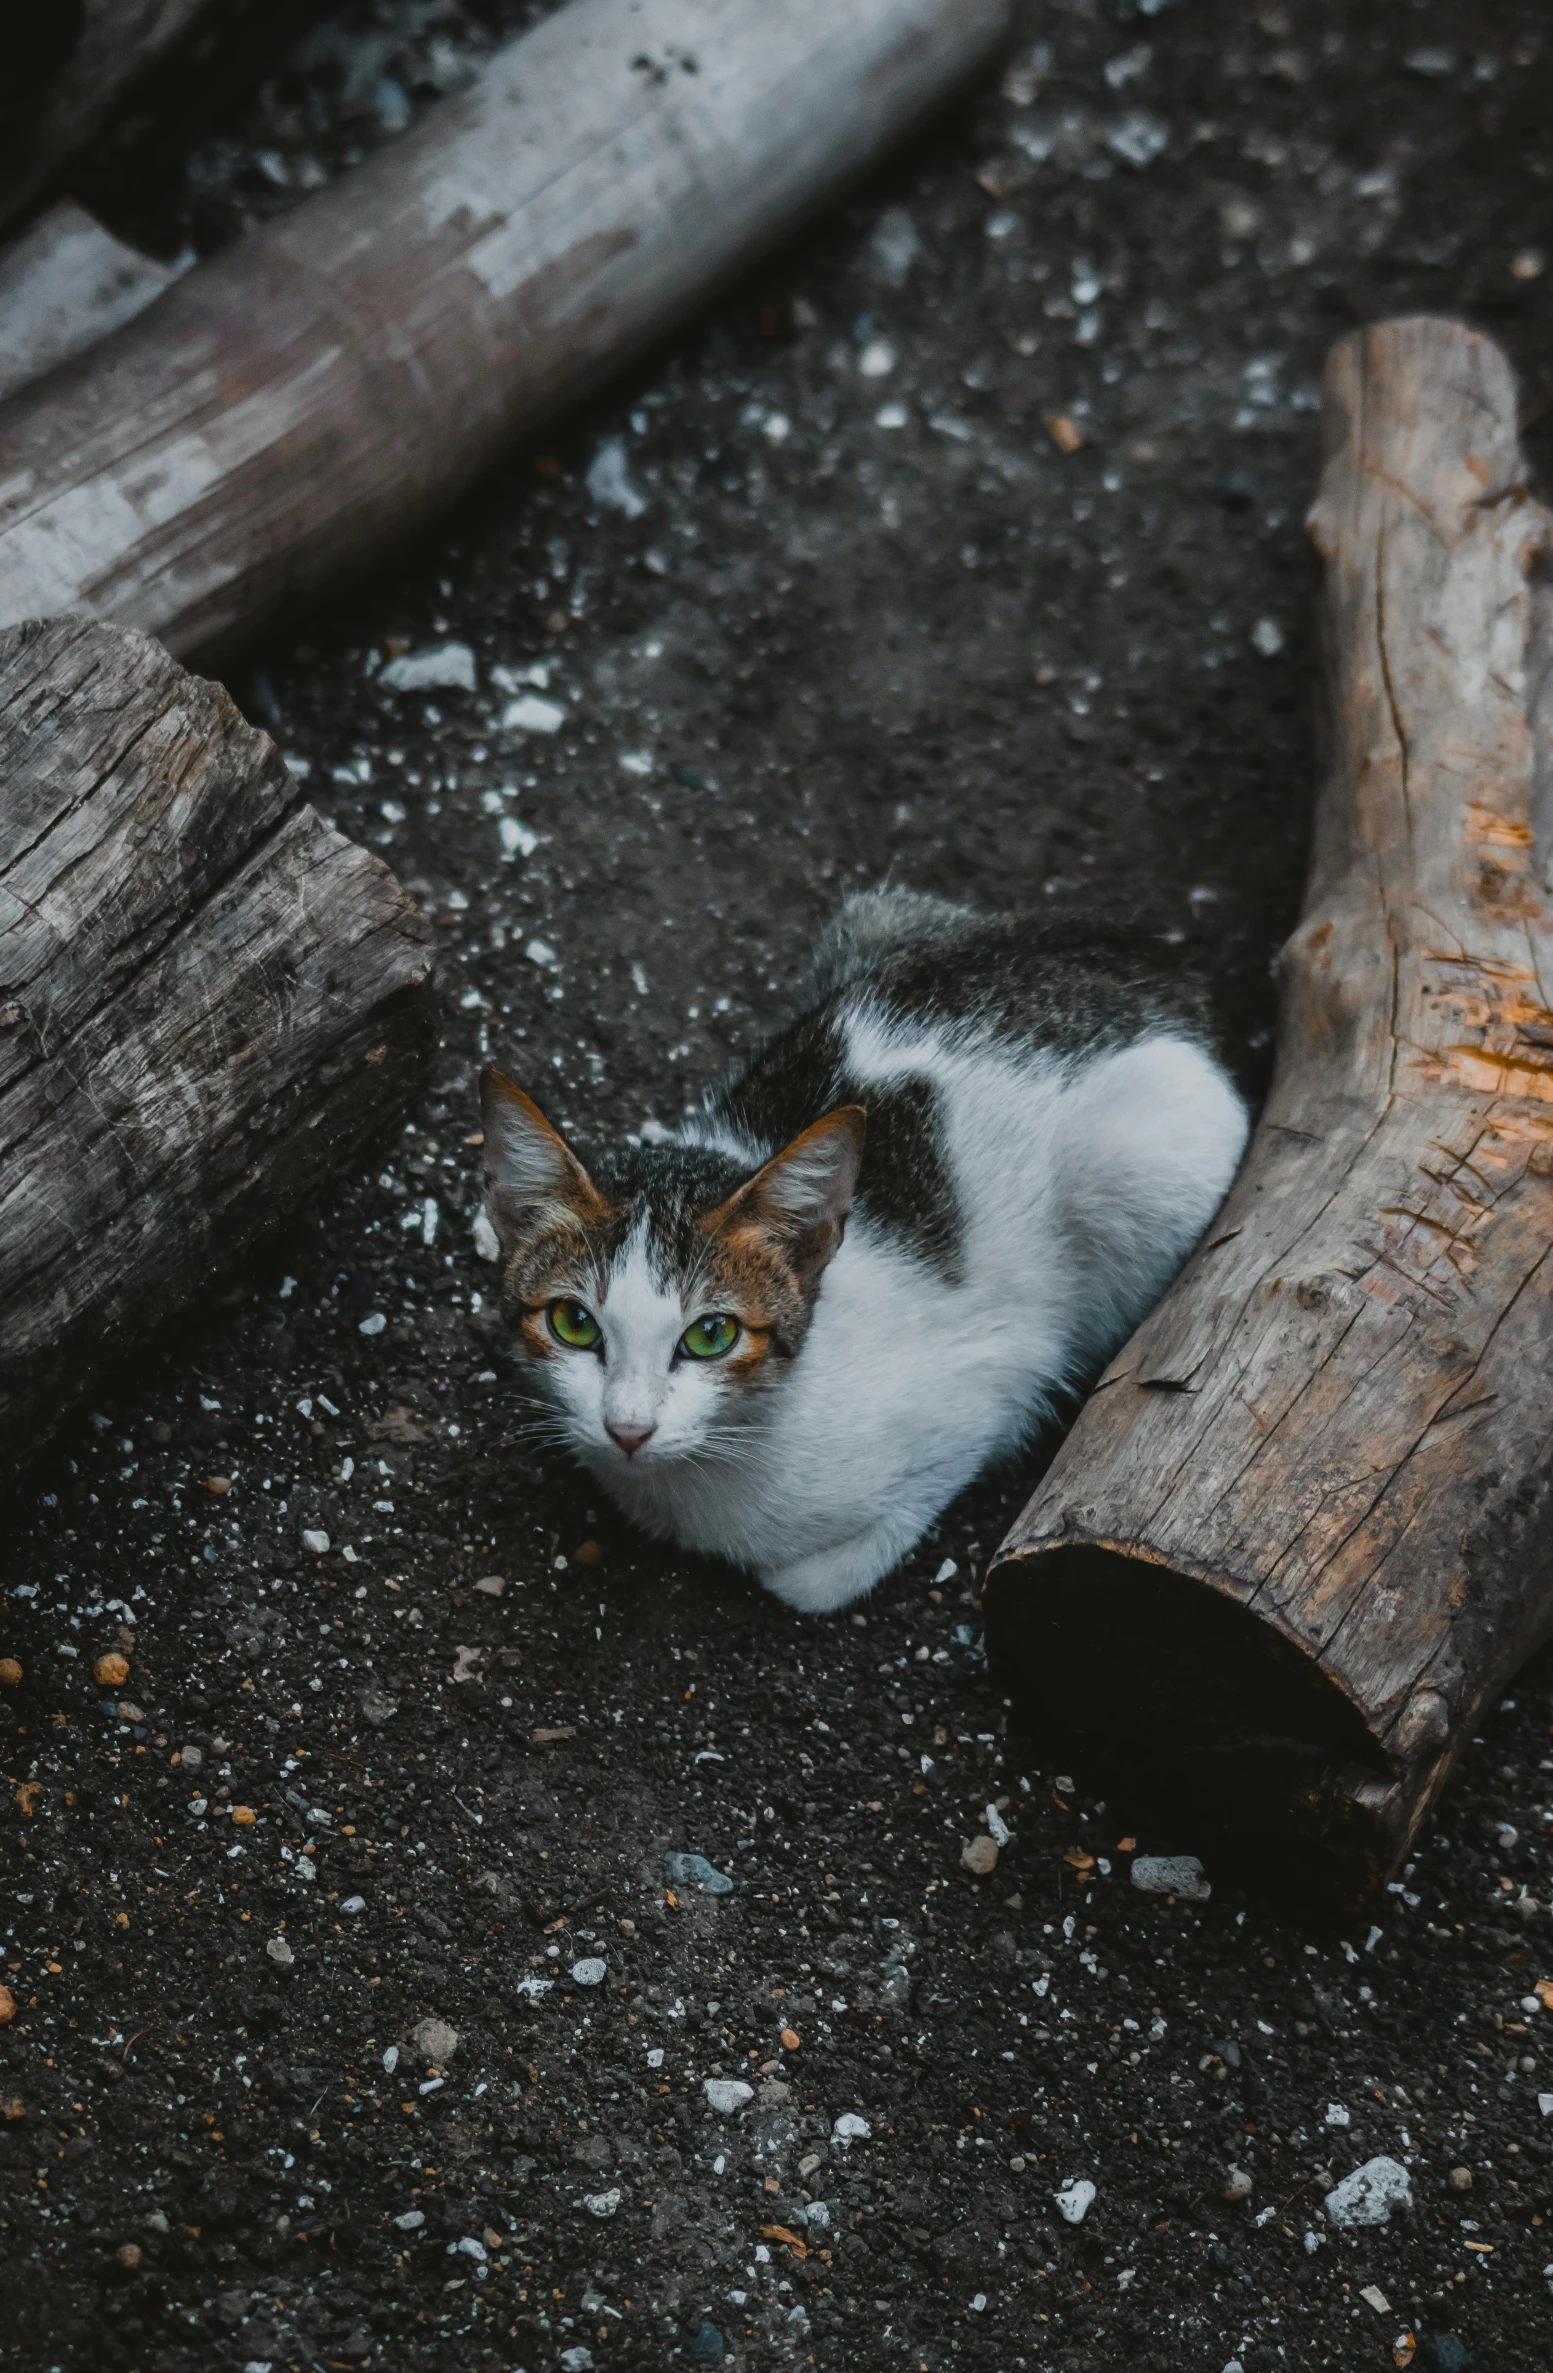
(1304, 1527)
(328, 381)
(208, 1001)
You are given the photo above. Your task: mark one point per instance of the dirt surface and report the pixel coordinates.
(860, 616)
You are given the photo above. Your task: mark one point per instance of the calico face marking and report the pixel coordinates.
(654, 1298)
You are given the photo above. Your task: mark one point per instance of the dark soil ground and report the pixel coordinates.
(869, 621)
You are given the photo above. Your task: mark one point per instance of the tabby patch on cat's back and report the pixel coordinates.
(883, 1255)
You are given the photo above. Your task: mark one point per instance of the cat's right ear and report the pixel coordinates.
(532, 1177)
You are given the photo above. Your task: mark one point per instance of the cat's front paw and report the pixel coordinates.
(833, 1578)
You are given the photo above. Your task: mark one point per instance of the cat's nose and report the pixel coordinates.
(631, 1437)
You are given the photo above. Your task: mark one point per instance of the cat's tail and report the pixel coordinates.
(874, 924)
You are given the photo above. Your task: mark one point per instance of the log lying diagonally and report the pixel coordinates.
(208, 1001)
(326, 383)
(1304, 1527)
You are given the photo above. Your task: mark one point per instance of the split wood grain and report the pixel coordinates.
(329, 381)
(1303, 1530)
(209, 1000)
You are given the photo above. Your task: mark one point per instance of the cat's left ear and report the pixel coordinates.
(803, 1194)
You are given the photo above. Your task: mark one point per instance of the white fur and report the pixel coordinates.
(1081, 1187)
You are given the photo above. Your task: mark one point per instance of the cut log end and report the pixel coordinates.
(1197, 1721)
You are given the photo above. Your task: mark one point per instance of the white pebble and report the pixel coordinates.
(589, 1971)
(609, 482)
(1171, 1874)
(411, 2221)
(529, 714)
(1075, 2200)
(373, 1323)
(316, 1543)
(540, 952)
(850, 2128)
(877, 359)
(603, 2203)
(1267, 637)
(1337, 2114)
(1370, 2193)
(725, 2094)
(486, 1243)
(446, 667)
(354, 1903)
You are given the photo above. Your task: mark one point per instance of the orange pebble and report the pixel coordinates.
(10, 1672)
(244, 1816)
(111, 1670)
(789, 2039)
(589, 1553)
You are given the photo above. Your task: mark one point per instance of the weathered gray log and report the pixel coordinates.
(330, 380)
(208, 1001)
(1303, 1529)
(65, 283)
(88, 74)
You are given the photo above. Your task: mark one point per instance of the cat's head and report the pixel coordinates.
(655, 1296)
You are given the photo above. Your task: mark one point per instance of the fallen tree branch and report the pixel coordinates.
(1303, 1530)
(329, 381)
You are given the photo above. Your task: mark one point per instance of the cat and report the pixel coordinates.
(882, 1256)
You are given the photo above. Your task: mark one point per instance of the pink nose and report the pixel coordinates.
(631, 1437)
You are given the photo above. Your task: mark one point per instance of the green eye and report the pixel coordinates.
(574, 1324)
(708, 1338)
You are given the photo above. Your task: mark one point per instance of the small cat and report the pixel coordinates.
(881, 1257)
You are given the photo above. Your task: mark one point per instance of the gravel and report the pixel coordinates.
(1012, 648)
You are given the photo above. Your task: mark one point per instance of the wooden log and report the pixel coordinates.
(208, 1001)
(65, 283)
(330, 380)
(1303, 1530)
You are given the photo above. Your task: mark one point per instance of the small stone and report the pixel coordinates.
(530, 714)
(219, 1484)
(111, 1671)
(443, 667)
(590, 1971)
(1460, 2179)
(1374, 2296)
(487, 1243)
(1075, 2200)
(1237, 2184)
(576, 2360)
(877, 359)
(1370, 2193)
(979, 1855)
(192, 1758)
(1064, 433)
(129, 1713)
(243, 1816)
(694, 1870)
(7, 2006)
(603, 2203)
(1171, 1874)
(726, 2094)
(467, 2246)
(491, 1585)
(609, 484)
(315, 1542)
(705, 2345)
(128, 2256)
(280, 1952)
(850, 2128)
(433, 2039)
(1267, 637)
(377, 1707)
(411, 2221)
(10, 1672)
(354, 1903)
(588, 1553)
(790, 2039)
(1543, 1989)
(1337, 2114)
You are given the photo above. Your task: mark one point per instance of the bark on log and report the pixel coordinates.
(65, 283)
(331, 379)
(1303, 1530)
(208, 1001)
